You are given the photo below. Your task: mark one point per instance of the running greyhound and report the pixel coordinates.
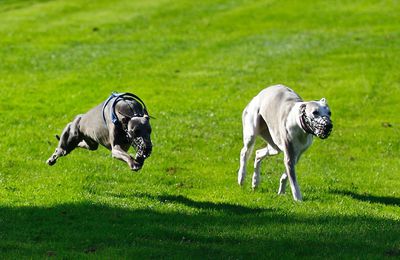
(118, 123)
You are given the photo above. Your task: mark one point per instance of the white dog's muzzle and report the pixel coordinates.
(320, 127)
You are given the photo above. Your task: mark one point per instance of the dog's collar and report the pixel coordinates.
(118, 97)
(305, 121)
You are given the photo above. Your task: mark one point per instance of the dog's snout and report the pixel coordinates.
(327, 120)
(136, 167)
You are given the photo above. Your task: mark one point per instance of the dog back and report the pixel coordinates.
(276, 103)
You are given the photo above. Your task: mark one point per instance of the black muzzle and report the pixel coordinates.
(143, 149)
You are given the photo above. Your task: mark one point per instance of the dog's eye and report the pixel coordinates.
(315, 113)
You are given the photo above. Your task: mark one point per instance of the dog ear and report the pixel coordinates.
(147, 116)
(323, 101)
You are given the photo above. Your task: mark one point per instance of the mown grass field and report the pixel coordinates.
(197, 64)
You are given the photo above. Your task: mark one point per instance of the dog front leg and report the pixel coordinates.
(118, 153)
(290, 171)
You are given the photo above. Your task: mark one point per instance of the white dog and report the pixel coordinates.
(288, 124)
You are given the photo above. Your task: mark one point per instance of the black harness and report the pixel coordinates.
(119, 97)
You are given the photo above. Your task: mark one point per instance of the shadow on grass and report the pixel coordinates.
(390, 201)
(204, 205)
(76, 230)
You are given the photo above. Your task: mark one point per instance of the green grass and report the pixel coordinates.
(197, 64)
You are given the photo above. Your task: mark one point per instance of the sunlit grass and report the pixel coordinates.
(197, 65)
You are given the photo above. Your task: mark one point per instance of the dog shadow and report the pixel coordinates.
(220, 230)
(90, 230)
(386, 200)
(202, 205)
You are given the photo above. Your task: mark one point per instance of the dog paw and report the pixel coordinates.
(255, 182)
(136, 167)
(240, 179)
(282, 190)
(51, 161)
(299, 199)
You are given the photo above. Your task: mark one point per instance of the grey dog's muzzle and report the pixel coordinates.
(143, 149)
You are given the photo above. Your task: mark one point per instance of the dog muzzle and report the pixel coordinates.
(143, 149)
(321, 127)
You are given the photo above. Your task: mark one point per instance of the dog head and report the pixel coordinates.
(315, 117)
(139, 131)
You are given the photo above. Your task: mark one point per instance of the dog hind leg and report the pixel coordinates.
(249, 136)
(86, 144)
(260, 155)
(69, 139)
(282, 184)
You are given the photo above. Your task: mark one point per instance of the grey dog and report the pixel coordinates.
(288, 125)
(118, 123)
